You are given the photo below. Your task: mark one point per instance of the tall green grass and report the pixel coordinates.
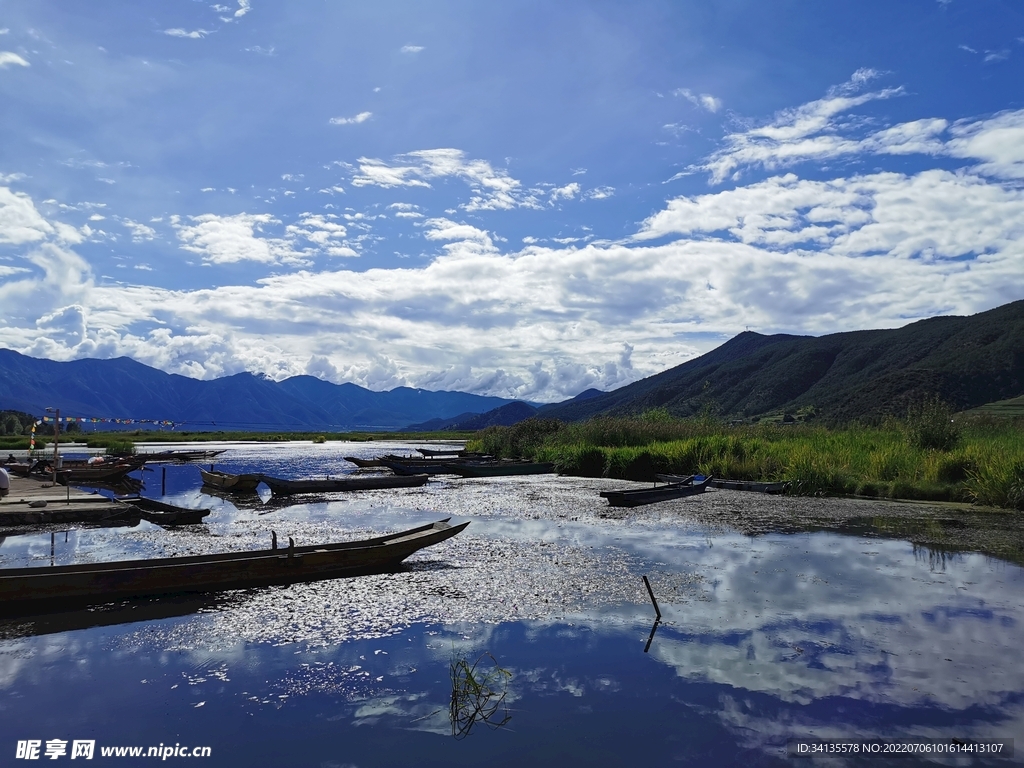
(930, 457)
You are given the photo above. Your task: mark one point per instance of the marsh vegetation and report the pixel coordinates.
(928, 455)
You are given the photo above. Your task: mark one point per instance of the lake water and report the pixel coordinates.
(762, 639)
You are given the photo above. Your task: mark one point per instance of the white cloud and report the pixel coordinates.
(412, 48)
(9, 58)
(599, 193)
(702, 101)
(1002, 55)
(568, 192)
(268, 51)
(966, 48)
(492, 189)
(194, 34)
(362, 117)
(230, 239)
(21, 222)
(803, 133)
(140, 232)
(998, 142)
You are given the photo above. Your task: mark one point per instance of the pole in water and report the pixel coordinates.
(650, 637)
(163, 482)
(273, 539)
(51, 547)
(650, 592)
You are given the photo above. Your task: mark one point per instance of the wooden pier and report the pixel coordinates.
(22, 506)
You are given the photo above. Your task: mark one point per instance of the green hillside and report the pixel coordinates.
(965, 361)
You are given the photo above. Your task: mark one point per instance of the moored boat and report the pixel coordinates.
(364, 462)
(635, 497)
(283, 487)
(162, 513)
(500, 468)
(24, 590)
(736, 485)
(417, 467)
(232, 483)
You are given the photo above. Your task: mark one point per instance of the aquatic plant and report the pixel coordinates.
(478, 694)
(120, 448)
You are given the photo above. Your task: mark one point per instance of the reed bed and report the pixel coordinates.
(921, 457)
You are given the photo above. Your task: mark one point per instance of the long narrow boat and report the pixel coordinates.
(500, 468)
(282, 487)
(230, 483)
(421, 467)
(27, 590)
(640, 496)
(736, 485)
(364, 462)
(162, 513)
(99, 474)
(431, 453)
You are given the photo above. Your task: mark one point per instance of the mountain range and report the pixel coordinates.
(123, 388)
(966, 361)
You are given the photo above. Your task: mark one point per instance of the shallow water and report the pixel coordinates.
(762, 639)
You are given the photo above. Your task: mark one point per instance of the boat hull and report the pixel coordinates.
(642, 496)
(500, 470)
(231, 483)
(24, 590)
(281, 487)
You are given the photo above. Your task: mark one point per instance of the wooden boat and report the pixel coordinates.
(640, 496)
(281, 487)
(431, 453)
(27, 590)
(736, 485)
(162, 513)
(179, 457)
(417, 467)
(230, 483)
(364, 462)
(98, 474)
(500, 468)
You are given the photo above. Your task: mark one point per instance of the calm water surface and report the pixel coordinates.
(762, 639)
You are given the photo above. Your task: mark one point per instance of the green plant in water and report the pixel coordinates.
(121, 448)
(478, 693)
(319, 439)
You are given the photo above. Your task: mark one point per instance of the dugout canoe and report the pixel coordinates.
(500, 468)
(230, 483)
(417, 467)
(753, 486)
(639, 496)
(282, 487)
(364, 462)
(28, 590)
(162, 513)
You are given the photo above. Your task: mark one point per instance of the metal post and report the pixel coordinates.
(56, 442)
(163, 483)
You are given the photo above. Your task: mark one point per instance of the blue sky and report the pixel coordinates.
(519, 199)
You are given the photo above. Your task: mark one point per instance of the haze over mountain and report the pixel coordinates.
(123, 388)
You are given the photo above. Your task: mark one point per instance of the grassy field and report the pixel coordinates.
(928, 456)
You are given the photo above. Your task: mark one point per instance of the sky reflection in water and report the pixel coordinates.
(762, 639)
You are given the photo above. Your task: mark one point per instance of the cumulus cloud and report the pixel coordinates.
(9, 59)
(492, 189)
(230, 239)
(411, 48)
(568, 192)
(362, 117)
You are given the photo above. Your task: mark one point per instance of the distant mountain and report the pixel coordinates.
(967, 361)
(123, 388)
(503, 416)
